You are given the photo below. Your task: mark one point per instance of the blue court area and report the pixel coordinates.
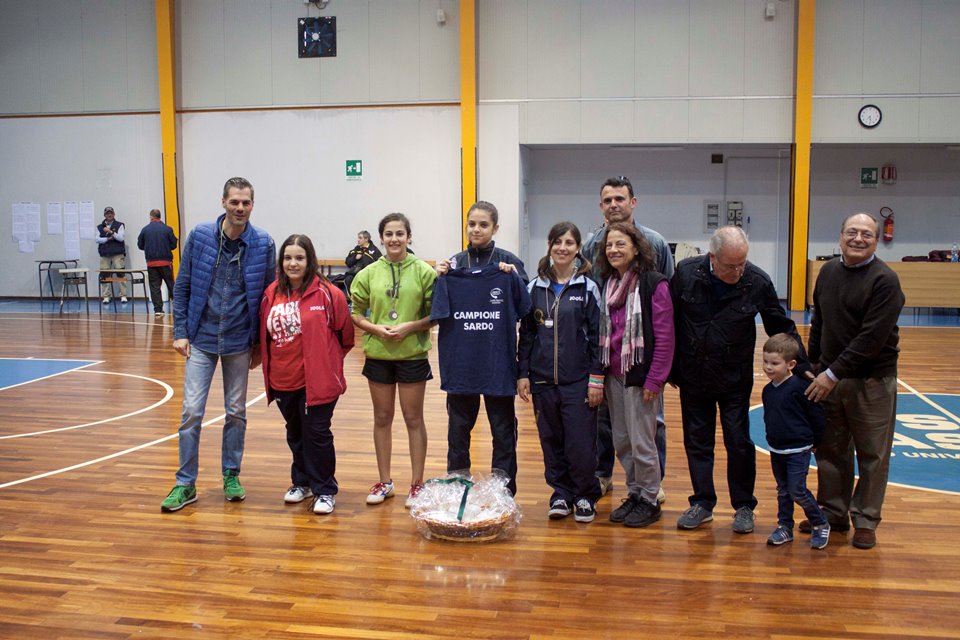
(14, 371)
(926, 444)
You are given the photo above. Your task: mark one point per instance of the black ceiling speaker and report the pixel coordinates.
(317, 37)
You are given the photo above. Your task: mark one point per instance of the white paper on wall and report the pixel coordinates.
(54, 218)
(88, 228)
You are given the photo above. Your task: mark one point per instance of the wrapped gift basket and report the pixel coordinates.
(466, 509)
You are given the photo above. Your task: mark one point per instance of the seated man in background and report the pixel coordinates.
(362, 255)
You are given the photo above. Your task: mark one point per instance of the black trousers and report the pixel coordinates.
(699, 437)
(310, 441)
(462, 411)
(155, 275)
(568, 437)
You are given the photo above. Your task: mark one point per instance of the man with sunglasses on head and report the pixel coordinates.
(617, 203)
(716, 300)
(854, 342)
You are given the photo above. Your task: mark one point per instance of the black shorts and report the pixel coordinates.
(397, 371)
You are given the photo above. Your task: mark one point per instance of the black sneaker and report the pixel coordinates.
(643, 515)
(583, 511)
(559, 508)
(627, 505)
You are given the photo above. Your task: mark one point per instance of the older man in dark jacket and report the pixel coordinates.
(716, 299)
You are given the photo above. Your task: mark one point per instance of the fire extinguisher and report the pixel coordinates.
(887, 223)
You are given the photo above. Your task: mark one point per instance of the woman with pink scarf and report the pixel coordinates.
(636, 347)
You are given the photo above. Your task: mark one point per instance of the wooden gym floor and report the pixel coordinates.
(86, 553)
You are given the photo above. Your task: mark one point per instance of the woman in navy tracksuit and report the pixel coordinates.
(559, 362)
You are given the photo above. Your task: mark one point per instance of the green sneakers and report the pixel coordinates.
(179, 497)
(232, 489)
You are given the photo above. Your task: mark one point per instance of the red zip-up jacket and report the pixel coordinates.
(327, 334)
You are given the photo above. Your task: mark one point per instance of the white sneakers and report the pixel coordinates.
(297, 494)
(324, 504)
(380, 492)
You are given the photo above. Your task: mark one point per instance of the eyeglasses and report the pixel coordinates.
(851, 234)
(723, 266)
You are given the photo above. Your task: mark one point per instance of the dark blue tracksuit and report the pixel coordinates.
(559, 348)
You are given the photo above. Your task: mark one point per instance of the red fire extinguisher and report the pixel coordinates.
(887, 223)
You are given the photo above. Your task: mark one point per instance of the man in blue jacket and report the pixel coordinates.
(157, 242)
(225, 267)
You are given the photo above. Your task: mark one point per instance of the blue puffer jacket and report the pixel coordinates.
(196, 273)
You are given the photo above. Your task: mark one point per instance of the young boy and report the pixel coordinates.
(794, 428)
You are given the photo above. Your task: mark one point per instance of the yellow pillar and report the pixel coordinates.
(800, 196)
(168, 117)
(468, 111)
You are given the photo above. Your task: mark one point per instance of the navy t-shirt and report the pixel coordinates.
(478, 310)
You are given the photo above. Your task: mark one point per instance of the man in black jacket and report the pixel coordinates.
(157, 242)
(716, 299)
(362, 255)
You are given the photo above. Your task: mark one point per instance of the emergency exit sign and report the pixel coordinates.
(354, 170)
(869, 177)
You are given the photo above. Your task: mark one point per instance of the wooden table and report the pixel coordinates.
(134, 276)
(924, 284)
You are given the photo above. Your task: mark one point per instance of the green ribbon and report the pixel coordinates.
(466, 490)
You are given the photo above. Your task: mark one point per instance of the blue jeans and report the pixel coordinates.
(790, 471)
(197, 377)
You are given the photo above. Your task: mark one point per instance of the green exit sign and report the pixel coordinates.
(869, 176)
(354, 170)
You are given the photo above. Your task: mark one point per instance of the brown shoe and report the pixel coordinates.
(864, 538)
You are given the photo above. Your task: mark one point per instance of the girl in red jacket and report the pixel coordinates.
(305, 332)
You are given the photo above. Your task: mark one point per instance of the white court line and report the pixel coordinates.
(928, 400)
(118, 453)
(52, 375)
(166, 397)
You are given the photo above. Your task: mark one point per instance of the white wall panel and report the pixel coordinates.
(501, 49)
(103, 28)
(767, 121)
(768, 49)
(658, 121)
(296, 81)
(900, 122)
(838, 57)
(247, 52)
(891, 46)
(19, 56)
(663, 48)
(346, 78)
(607, 121)
(140, 57)
(410, 164)
(553, 60)
(394, 50)
(497, 166)
(61, 57)
(112, 160)
(552, 122)
(938, 120)
(835, 120)
(608, 42)
(716, 120)
(439, 51)
(200, 63)
(716, 49)
(940, 47)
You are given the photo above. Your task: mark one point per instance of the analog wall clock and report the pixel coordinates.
(869, 116)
